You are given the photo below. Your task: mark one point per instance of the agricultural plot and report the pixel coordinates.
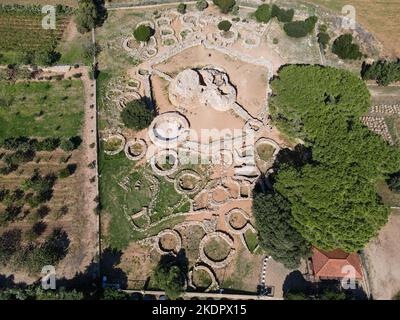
(40, 176)
(21, 32)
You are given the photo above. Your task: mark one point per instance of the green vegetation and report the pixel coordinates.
(251, 240)
(37, 293)
(333, 198)
(281, 14)
(323, 39)
(225, 6)
(327, 294)
(344, 47)
(299, 29)
(263, 13)
(24, 40)
(137, 115)
(143, 33)
(32, 257)
(91, 13)
(224, 25)
(265, 152)
(181, 8)
(201, 279)
(41, 109)
(170, 276)
(382, 71)
(201, 5)
(217, 249)
(277, 235)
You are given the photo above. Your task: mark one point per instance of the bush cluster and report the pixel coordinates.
(299, 29)
(344, 47)
(382, 71)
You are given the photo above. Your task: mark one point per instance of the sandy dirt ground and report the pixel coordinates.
(383, 260)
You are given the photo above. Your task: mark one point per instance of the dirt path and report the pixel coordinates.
(78, 260)
(383, 260)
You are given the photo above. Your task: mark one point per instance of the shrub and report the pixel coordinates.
(67, 171)
(143, 33)
(299, 29)
(201, 5)
(91, 50)
(281, 14)
(181, 8)
(225, 6)
(323, 39)
(48, 144)
(344, 47)
(263, 13)
(224, 25)
(137, 115)
(384, 72)
(10, 242)
(67, 145)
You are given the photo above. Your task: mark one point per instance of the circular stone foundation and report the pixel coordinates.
(188, 182)
(164, 162)
(135, 149)
(169, 241)
(202, 277)
(214, 260)
(168, 129)
(219, 195)
(266, 149)
(114, 144)
(236, 220)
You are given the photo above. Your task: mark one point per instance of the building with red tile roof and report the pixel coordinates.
(334, 264)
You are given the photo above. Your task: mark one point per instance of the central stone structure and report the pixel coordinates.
(206, 87)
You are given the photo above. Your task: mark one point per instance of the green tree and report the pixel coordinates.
(201, 5)
(143, 33)
(333, 198)
(382, 71)
(169, 276)
(299, 29)
(281, 14)
(224, 25)
(344, 47)
(137, 115)
(275, 231)
(90, 14)
(181, 8)
(263, 13)
(225, 6)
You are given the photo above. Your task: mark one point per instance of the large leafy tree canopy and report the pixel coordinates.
(333, 199)
(276, 233)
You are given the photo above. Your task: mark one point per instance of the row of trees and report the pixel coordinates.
(48, 144)
(382, 71)
(32, 256)
(332, 196)
(265, 12)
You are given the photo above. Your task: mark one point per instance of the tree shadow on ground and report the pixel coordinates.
(295, 281)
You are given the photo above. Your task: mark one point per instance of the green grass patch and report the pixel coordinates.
(41, 109)
(251, 240)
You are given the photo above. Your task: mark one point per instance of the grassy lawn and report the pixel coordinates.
(41, 109)
(251, 240)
